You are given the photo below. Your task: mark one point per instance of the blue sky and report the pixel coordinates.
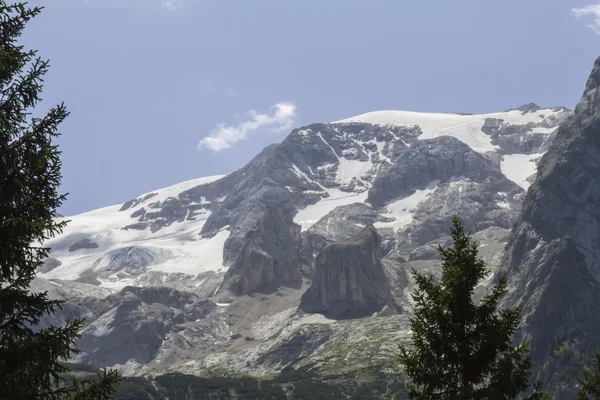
(147, 80)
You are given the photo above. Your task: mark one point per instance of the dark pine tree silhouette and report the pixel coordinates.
(30, 358)
(463, 350)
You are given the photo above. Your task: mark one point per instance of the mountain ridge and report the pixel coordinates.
(247, 242)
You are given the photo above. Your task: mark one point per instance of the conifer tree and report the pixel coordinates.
(463, 350)
(590, 381)
(30, 174)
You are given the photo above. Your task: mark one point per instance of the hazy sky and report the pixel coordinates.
(163, 91)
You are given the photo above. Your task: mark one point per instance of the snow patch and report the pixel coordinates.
(205, 255)
(308, 216)
(503, 204)
(380, 147)
(325, 141)
(285, 322)
(298, 172)
(519, 167)
(541, 129)
(349, 152)
(350, 169)
(172, 191)
(404, 208)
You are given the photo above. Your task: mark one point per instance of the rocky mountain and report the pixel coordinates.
(300, 258)
(349, 280)
(553, 257)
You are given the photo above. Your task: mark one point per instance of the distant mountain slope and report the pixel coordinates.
(244, 245)
(326, 166)
(93, 237)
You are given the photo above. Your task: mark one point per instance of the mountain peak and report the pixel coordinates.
(526, 108)
(254, 240)
(590, 101)
(594, 79)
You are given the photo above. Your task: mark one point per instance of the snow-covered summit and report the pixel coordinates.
(465, 127)
(259, 229)
(183, 229)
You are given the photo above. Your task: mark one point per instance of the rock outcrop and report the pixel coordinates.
(345, 221)
(349, 279)
(268, 257)
(460, 181)
(441, 159)
(131, 259)
(84, 243)
(134, 324)
(48, 265)
(339, 224)
(553, 257)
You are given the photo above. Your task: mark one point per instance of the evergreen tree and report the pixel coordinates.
(463, 350)
(233, 394)
(590, 382)
(30, 358)
(189, 395)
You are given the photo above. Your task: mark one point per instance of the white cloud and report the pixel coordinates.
(591, 10)
(279, 118)
(172, 4)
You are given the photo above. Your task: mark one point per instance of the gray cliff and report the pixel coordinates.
(349, 279)
(553, 257)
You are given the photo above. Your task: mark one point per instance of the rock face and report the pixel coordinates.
(83, 244)
(131, 259)
(345, 221)
(338, 225)
(457, 181)
(350, 281)
(134, 324)
(443, 159)
(268, 258)
(553, 257)
(48, 265)
(245, 246)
